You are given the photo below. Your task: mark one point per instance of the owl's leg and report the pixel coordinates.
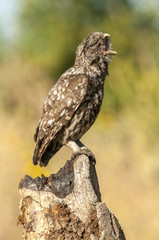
(79, 148)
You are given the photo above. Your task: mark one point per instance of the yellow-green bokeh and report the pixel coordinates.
(125, 137)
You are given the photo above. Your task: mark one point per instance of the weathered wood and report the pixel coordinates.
(67, 205)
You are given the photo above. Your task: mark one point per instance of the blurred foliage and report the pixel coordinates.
(2, 45)
(125, 136)
(51, 32)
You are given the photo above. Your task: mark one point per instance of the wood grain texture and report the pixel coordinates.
(66, 205)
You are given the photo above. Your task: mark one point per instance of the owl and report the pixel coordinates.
(74, 102)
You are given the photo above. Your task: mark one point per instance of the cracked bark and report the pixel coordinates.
(66, 205)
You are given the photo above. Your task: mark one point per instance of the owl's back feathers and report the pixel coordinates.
(61, 103)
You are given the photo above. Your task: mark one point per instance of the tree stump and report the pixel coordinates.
(66, 205)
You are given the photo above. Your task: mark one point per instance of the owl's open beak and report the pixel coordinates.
(107, 50)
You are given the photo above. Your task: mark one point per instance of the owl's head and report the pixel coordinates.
(94, 48)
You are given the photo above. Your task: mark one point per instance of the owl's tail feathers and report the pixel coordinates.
(36, 133)
(42, 155)
(36, 154)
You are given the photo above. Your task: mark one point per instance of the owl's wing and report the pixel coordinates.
(60, 105)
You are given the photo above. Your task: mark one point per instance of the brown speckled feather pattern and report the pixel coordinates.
(73, 104)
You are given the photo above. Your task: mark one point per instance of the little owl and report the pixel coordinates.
(74, 102)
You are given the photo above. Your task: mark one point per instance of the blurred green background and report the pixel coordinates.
(38, 40)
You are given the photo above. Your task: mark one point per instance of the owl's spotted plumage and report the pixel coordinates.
(74, 102)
